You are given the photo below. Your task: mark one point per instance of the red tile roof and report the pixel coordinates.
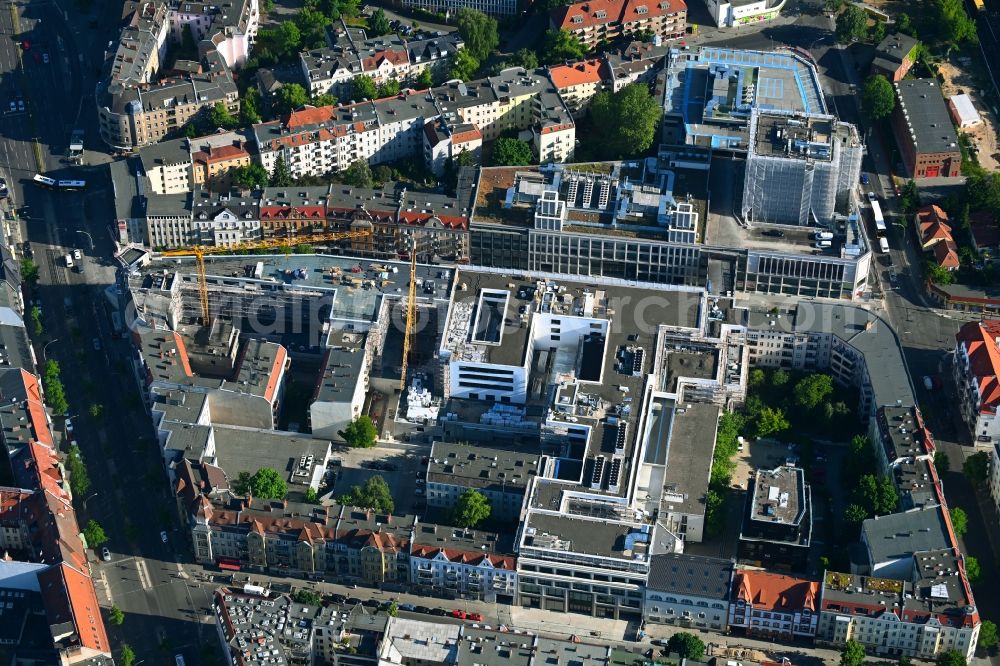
(980, 340)
(276, 372)
(69, 597)
(464, 557)
(220, 154)
(946, 255)
(578, 74)
(776, 592)
(591, 13)
(933, 225)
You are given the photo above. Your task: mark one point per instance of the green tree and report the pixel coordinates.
(471, 508)
(904, 24)
(358, 174)
(936, 273)
(378, 24)
(479, 32)
(629, 118)
(392, 609)
(287, 38)
(688, 646)
(361, 433)
(853, 654)
(756, 379)
(888, 496)
(290, 96)
(463, 66)
(852, 25)
(116, 616)
(525, 58)
(94, 534)
(372, 494)
(560, 46)
(127, 655)
(219, 116)
(268, 484)
(280, 176)
(241, 485)
(972, 570)
(389, 89)
(311, 496)
(855, 514)
(952, 22)
(250, 106)
(303, 248)
(715, 515)
(55, 395)
(508, 151)
(312, 26)
(959, 520)
(190, 130)
(363, 87)
(780, 377)
(878, 98)
(771, 420)
(250, 176)
(941, 462)
(96, 410)
(307, 597)
(977, 467)
(425, 79)
(877, 33)
(36, 322)
(987, 634)
(29, 271)
(951, 658)
(326, 99)
(812, 390)
(79, 479)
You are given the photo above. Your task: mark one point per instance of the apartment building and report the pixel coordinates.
(731, 13)
(900, 436)
(496, 8)
(924, 132)
(771, 605)
(594, 21)
(386, 58)
(213, 159)
(444, 141)
(167, 166)
(134, 108)
(777, 524)
(316, 141)
(921, 616)
(894, 56)
(688, 591)
(577, 83)
(463, 561)
(890, 542)
(976, 371)
(501, 475)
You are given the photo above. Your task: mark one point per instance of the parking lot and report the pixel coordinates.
(398, 466)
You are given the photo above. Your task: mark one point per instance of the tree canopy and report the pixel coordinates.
(115, 616)
(813, 389)
(771, 420)
(280, 176)
(852, 25)
(525, 58)
(55, 394)
(360, 433)
(959, 520)
(266, 483)
(79, 479)
(363, 87)
(561, 45)
(290, 97)
(372, 494)
(219, 116)
(987, 635)
(629, 118)
(94, 534)
(378, 24)
(688, 646)
(977, 467)
(463, 66)
(479, 32)
(425, 79)
(127, 655)
(951, 658)
(878, 99)
(508, 151)
(972, 569)
(359, 174)
(250, 176)
(471, 508)
(389, 89)
(853, 654)
(952, 23)
(250, 106)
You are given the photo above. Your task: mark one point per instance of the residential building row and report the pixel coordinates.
(140, 102)
(352, 53)
(595, 21)
(50, 606)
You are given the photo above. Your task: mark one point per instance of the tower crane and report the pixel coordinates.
(411, 313)
(200, 251)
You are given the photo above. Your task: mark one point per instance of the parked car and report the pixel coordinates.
(475, 617)
(864, 179)
(77, 254)
(407, 607)
(774, 233)
(371, 603)
(928, 383)
(105, 554)
(45, 58)
(163, 536)
(338, 598)
(96, 342)
(440, 612)
(458, 614)
(422, 609)
(353, 601)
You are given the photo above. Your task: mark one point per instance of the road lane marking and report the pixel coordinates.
(140, 566)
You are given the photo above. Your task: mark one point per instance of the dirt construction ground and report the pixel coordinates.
(984, 135)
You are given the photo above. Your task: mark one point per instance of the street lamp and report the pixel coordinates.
(46, 346)
(87, 499)
(89, 238)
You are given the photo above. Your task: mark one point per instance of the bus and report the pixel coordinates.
(44, 181)
(877, 215)
(71, 185)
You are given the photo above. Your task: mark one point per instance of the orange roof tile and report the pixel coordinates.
(577, 74)
(980, 340)
(69, 596)
(765, 590)
(275, 374)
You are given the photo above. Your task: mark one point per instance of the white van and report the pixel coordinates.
(823, 235)
(883, 244)
(69, 261)
(822, 243)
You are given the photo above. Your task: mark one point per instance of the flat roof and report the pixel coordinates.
(587, 535)
(693, 575)
(926, 113)
(342, 366)
(480, 647)
(689, 456)
(779, 496)
(248, 450)
(478, 466)
(900, 535)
